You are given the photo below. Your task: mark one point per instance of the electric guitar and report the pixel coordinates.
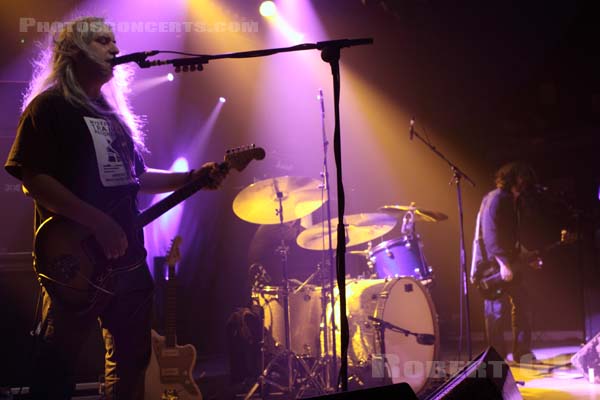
(169, 374)
(71, 264)
(487, 272)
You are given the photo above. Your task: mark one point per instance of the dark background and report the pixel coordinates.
(487, 82)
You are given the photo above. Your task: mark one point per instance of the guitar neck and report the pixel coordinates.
(171, 309)
(164, 205)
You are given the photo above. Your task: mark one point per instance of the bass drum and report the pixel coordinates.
(403, 302)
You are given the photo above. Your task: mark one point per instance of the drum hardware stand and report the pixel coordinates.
(287, 354)
(330, 360)
(369, 256)
(409, 230)
(426, 339)
(457, 176)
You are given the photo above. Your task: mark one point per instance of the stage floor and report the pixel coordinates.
(547, 380)
(550, 378)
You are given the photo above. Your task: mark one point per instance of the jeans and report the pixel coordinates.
(494, 312)
(125, 322)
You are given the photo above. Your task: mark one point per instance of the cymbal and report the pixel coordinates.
(259, 203)
(360, 228)
(420, 214)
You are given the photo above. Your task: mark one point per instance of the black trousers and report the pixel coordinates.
(495, 311)
(125, 322)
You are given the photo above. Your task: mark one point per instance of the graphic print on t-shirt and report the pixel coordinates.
(112, 169)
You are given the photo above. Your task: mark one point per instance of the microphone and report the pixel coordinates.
(425, 339)
(133, 57)
(411, 131)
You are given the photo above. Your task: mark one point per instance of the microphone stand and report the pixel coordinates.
(330, 53)
(457, 175)
(381, 325)
(426, 339)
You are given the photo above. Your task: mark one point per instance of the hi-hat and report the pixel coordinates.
(419, 213)
(259, 202)
(360, 228)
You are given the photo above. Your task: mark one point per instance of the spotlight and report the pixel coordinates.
(222, 99)
(267, 9)
(170, 77)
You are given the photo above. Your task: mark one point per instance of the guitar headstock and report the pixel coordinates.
(173, 255)
(239, 157)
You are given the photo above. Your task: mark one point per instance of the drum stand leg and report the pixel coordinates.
(290, 357)
(294, 366)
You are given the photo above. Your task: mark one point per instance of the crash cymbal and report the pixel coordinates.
(360, 228)
(420, 214)
(259, 202)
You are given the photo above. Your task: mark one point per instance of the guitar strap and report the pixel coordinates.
(478, 234)
(478, 244)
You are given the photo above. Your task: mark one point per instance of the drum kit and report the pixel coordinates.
(392, 319)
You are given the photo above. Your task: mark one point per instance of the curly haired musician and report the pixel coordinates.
(498, 227)
(78, 151)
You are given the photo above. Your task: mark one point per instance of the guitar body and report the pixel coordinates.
(72, 265)
(169, 374)
(489, 281)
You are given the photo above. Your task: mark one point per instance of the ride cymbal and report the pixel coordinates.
(259, 202)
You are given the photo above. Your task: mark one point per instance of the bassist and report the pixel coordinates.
(497, 240)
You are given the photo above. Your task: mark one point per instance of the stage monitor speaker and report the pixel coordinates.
(398, 391)
(587, 359)
(486, 377)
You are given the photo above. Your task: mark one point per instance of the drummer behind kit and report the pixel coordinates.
(393, 322)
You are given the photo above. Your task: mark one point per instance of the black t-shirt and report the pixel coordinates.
(92, 155)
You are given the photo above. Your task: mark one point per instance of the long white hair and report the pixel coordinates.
(55, 68)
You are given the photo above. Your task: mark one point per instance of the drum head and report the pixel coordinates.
(408, 306)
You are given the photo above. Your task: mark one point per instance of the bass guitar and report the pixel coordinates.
(71, 264)
(487, 275)
(169, 374)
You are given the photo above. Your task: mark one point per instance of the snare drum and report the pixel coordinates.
(305, 317)
(400, 257)
(403, 302)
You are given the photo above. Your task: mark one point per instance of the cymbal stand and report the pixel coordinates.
(327, 282)
(409, 231)
(287, 354)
